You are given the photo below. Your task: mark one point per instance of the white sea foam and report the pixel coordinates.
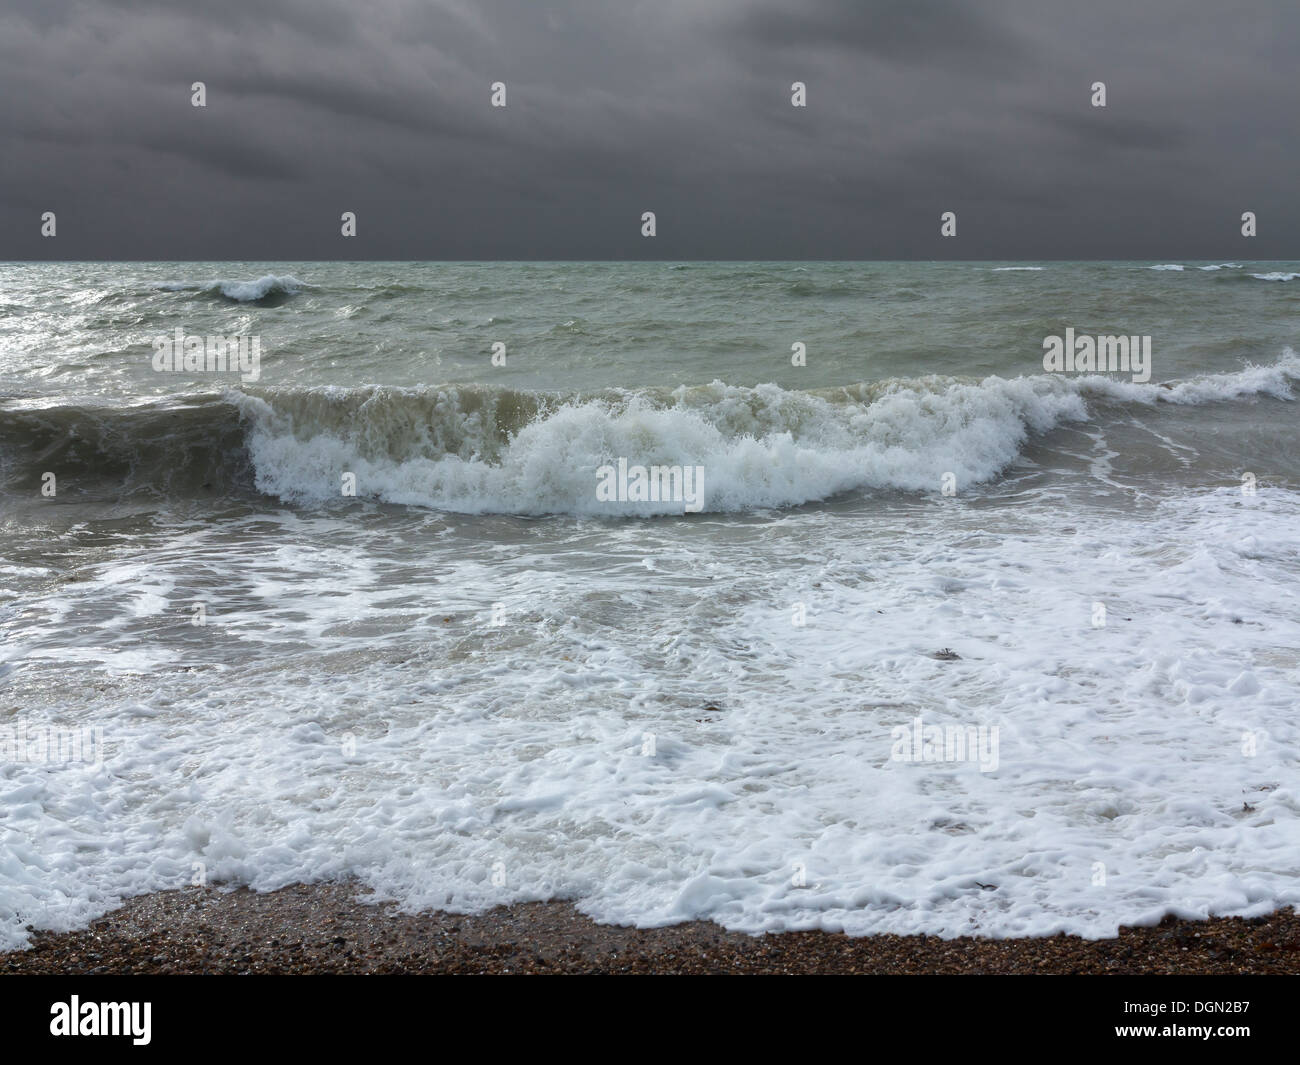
(1276, 275)
(1167, 266)
(1146, 767)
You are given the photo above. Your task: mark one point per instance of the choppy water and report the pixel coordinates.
(477, 682)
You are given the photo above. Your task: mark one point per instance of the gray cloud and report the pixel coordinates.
(903, 32)
(681, 107)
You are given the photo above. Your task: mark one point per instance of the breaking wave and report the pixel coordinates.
(476, 449)
(264, 290)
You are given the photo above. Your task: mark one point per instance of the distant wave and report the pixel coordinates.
(1167, 266)
(262, 290)
(1007, 269)
(1275, 276)
(478, 449)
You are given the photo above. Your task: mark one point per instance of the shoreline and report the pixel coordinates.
(326, 928)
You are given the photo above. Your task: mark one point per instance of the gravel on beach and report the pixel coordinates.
(329, 928)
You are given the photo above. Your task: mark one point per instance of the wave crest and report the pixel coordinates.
(264, 289)
(479, 449)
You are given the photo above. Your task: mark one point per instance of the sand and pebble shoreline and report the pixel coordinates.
(327, 928)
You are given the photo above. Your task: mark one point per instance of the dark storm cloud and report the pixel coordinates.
(1099, 131)
(904, 32)
(682, 107)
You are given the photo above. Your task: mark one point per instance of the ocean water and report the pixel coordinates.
(475, 681)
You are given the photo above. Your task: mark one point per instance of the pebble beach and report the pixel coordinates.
(331, 928)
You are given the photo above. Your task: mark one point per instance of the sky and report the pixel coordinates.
(679, 107)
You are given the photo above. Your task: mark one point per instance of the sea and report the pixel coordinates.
(782, 595)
